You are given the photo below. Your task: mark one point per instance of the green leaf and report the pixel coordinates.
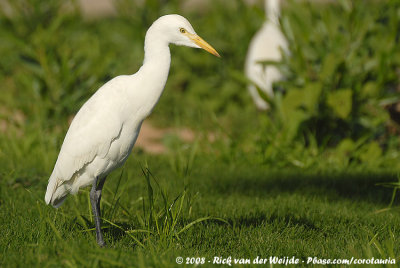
(299, 105)
(371, 152)
(346, 146)
(346, 5)
(341, 102)
(330, 63)
(369, 90)
(311, 95)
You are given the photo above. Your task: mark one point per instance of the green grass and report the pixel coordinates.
(270, 213)
(250, 192)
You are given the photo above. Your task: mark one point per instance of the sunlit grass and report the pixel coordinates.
(269, 213)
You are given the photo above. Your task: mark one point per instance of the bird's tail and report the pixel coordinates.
(56, 191)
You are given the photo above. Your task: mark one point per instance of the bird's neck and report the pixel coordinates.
(156, 50)
(154, 71)
(272, 10)
(157, 60)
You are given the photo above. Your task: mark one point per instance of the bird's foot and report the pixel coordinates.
(101, 243)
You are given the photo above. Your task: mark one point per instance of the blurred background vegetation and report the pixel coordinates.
(338, 106)
(298, 180)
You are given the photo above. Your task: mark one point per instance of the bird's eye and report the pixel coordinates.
(182, 30)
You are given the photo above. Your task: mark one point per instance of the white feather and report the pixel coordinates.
(266, 45)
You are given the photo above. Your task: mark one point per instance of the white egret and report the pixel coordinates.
(265, 46)
(104, 130)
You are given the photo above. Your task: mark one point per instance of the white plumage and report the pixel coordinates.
(266, 45)
(99, 139)
(103, 132)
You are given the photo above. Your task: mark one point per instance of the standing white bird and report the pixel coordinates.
(265, 46)
(103, 132)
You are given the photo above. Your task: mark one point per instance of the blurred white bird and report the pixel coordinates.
(103, 132)
(265, 46)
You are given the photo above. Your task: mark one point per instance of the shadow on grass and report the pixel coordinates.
(114, 232)
(118, 233)
(357, 186)
(361, 187)
(260, 219)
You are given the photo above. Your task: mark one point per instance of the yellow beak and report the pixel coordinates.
(203, 44)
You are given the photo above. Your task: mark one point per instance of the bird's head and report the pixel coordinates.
(177, 30)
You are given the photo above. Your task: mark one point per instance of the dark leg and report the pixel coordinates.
(95, 197)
